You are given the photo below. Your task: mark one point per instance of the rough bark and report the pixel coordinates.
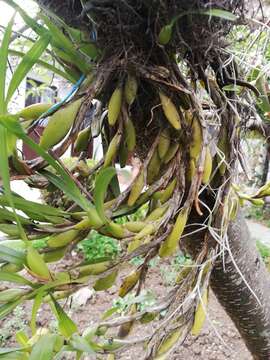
(251, 318)
(266, 164)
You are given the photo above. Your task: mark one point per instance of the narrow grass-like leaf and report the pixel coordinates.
(14, 278)
(36, 305)
(7, 215)
(66, 326)
(7, 308)
(28, 61)
(4, 63)
(102, 182)
(4, 351)
(43, 349)
(11, 122)
(33, 207)
(10, 255)
(223, 14)
(63, 43)
(4, 171)
(46, 65)
(71, 191)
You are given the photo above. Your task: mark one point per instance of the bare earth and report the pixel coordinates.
(209, 345)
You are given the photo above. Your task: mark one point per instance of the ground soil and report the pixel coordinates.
(218, 340)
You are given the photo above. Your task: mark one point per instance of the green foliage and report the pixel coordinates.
(145, 300)
(169, 272)
(263, 250)
(258, 214)
(97, 246)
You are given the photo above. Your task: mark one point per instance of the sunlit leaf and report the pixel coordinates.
(10, 255)
(43, 349)
(4, 63)
(28, 61)
(66, 326)
(102, 182)
(14, 278)
(46, 65)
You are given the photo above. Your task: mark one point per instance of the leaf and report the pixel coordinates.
(63, 43)
(11, 122)
(28, 61)
(81, 344)
(46, 65)
(108, 313)
(7, 308)
(25, 206)
(14, 278)
(36, 305)
(43, 349)
(71, 191)
(4, 171)
(4, 351)
(165, 34)
(4, 63)
(22, 338)
(10, 255)
(223, 14)
(66, 326)
(18, 355)
(103, 180)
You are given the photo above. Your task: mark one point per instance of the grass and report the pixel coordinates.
(258, 214)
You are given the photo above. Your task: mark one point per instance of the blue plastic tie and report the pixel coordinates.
(65, 99)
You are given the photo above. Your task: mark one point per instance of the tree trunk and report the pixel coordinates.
(266, 165)
(251, 318)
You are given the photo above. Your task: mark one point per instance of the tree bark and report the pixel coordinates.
(251, 318)
(266, 165)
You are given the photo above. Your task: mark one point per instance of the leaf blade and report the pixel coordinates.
(28, 61)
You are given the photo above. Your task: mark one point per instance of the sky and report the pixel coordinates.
(7, 12)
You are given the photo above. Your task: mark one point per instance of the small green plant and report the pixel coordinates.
(169, 272)
(145, 300)
(40, 243)
(263, 250)
(98, 246)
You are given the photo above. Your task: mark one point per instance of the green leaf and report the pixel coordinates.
(7, 215)
(18, 355)
(81, 344)
(103, 180)
(46, 65)
(14, 278)
(4, 63)
(4, 172)
(108, 313)
(28, 61)
(165, 34)
(223, 14)
(11, 122)
(63, 43)
(7, 308)
(22, 338)
(36, 305)
(4, 351)
(10, 255)
(66, 326)
(71, 191)
(43, 349)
